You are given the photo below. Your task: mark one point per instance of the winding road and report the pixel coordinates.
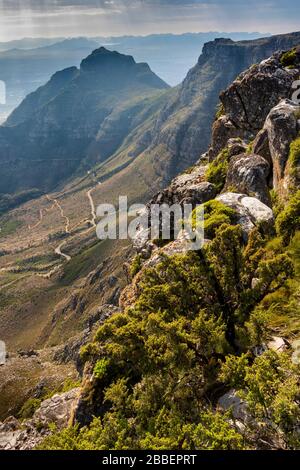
(92, 221)
(58, 250)
(93, 209)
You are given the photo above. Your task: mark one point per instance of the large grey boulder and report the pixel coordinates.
(188, 188)
(223, 130)
(57, 409)
(250, 212)
(282, 128)
(248, 101)
(248, 174)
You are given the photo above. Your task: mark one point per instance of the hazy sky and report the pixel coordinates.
(19, 18)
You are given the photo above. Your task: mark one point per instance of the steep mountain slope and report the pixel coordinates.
(54, 297)
(179, 133)
(203, 351)
(182, 130)
(37, 231)
(26, 65)
(78, 118)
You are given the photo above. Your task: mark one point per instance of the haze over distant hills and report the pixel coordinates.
(28, 63)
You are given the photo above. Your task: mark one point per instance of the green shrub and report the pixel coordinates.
(270, 387)
(279, 311)
(100, 368)
(29, 408)
(277, 204)
(215, 214)
(289, 58)
(157, 364)
(217, 170)
(294, 157)
(288, 221)
(136, 266)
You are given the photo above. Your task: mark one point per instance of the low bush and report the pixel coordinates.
(217, 170)
(288, 221)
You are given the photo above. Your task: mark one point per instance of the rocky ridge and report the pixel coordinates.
(258, 125)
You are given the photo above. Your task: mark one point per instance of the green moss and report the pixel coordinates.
(288, 59)
(136, 266)
(250, 148)
(294, 157)
(217, 170)
(215, 214)
(288, 221)
(220, 111)
(29, 408)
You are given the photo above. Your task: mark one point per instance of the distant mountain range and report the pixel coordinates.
(28, 63)
(119, 119)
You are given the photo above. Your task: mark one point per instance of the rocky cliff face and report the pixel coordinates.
(258, 110)
(183, 128)
(253, 140)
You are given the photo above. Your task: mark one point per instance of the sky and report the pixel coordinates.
(51, 18)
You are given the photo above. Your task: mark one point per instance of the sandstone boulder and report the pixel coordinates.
(248, 174)
(282, 128)
(251, 212)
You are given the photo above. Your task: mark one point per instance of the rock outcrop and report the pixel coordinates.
(258, 109)
(250, 211)
(282, 126)
(187, 188)
(248, 173)
(257, 128)
(249, 100)
(57, 410)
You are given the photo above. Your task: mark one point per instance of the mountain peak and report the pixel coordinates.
(102, 58)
